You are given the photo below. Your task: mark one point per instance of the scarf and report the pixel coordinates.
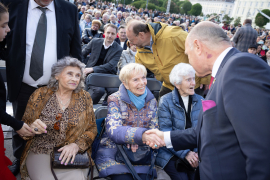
(138, 101)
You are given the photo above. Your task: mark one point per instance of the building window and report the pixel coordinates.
(250, 3)
(262, 4)
(256, 4)
(237, 10)
(243, 10)
(269, 4)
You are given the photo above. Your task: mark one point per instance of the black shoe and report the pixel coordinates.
(104, 103)
(15, 167)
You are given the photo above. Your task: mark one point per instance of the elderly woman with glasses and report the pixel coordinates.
(86, 23)
(131, 111)
(179, 110)
(61, 115)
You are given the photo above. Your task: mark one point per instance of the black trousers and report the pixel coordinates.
(175, 175)
(97, 92)
(126, 177)
(19, 107)
(163, 91)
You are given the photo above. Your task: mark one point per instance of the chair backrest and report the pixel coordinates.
(101, 112)
(113, 81)
(3, 73)
(103, 80)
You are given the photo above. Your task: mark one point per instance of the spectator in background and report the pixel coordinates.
(156, 19)
(145, 12)
(120, 8)
(89, 34)
(113, 20)
(232, 28)
(177, 23)
(268, 57)
(104, 57)
(122, 40)
(104, 22)
(81, 12)
(86, 23)
(97, 15)
(245, 36)
(128, 19)
(128, 56)
(120, 19)
(252, 49)
(259, 49)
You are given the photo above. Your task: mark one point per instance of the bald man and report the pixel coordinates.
(232, 134)
(159, 48)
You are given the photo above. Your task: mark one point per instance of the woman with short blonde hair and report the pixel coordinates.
(131, 111)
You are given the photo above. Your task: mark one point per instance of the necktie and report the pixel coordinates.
(37, 57)
(211, 81)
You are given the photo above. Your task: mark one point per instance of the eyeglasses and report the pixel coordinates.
(56, 125)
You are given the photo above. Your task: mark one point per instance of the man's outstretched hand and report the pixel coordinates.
(154, 138)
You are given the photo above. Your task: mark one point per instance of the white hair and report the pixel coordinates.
(119, 12)
(108, 17)
(179, 71)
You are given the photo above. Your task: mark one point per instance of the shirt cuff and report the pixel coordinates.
(167, 139)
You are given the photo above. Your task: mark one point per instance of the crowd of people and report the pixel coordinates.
(210, 120)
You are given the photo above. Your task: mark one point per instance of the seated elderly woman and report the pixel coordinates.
(89, 34)
(127, 56)
(61, 114)
(131, 111)
(179, 110)
(86, 23)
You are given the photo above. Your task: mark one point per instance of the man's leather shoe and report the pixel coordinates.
(15, 167)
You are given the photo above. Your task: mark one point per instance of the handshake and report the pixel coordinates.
(153, 138)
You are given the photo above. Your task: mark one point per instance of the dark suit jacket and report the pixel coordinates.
(110, 62)
(87, 36)
(68, 38)
(233, 136)
(125, 44)
(4, 117)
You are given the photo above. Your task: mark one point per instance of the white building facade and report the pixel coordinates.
(247, 9)
(216, 6)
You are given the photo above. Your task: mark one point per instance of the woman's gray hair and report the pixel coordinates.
(58, 67)
(179, 71)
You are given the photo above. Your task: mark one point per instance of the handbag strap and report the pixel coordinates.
(128, 163)
(90, 170)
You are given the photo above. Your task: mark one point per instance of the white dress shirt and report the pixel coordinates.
(106, 47)
(50, 53)
(167, 134)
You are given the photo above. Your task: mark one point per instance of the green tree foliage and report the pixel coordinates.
(150, 6)
(227, 19)
(237, 21)
(186, 6)
(138, 4)
(260, 20)
(174, 8)
(196, 9)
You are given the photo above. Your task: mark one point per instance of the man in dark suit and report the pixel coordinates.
(232, 134)
(35, 42)
(105, 54)
(122, 40)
